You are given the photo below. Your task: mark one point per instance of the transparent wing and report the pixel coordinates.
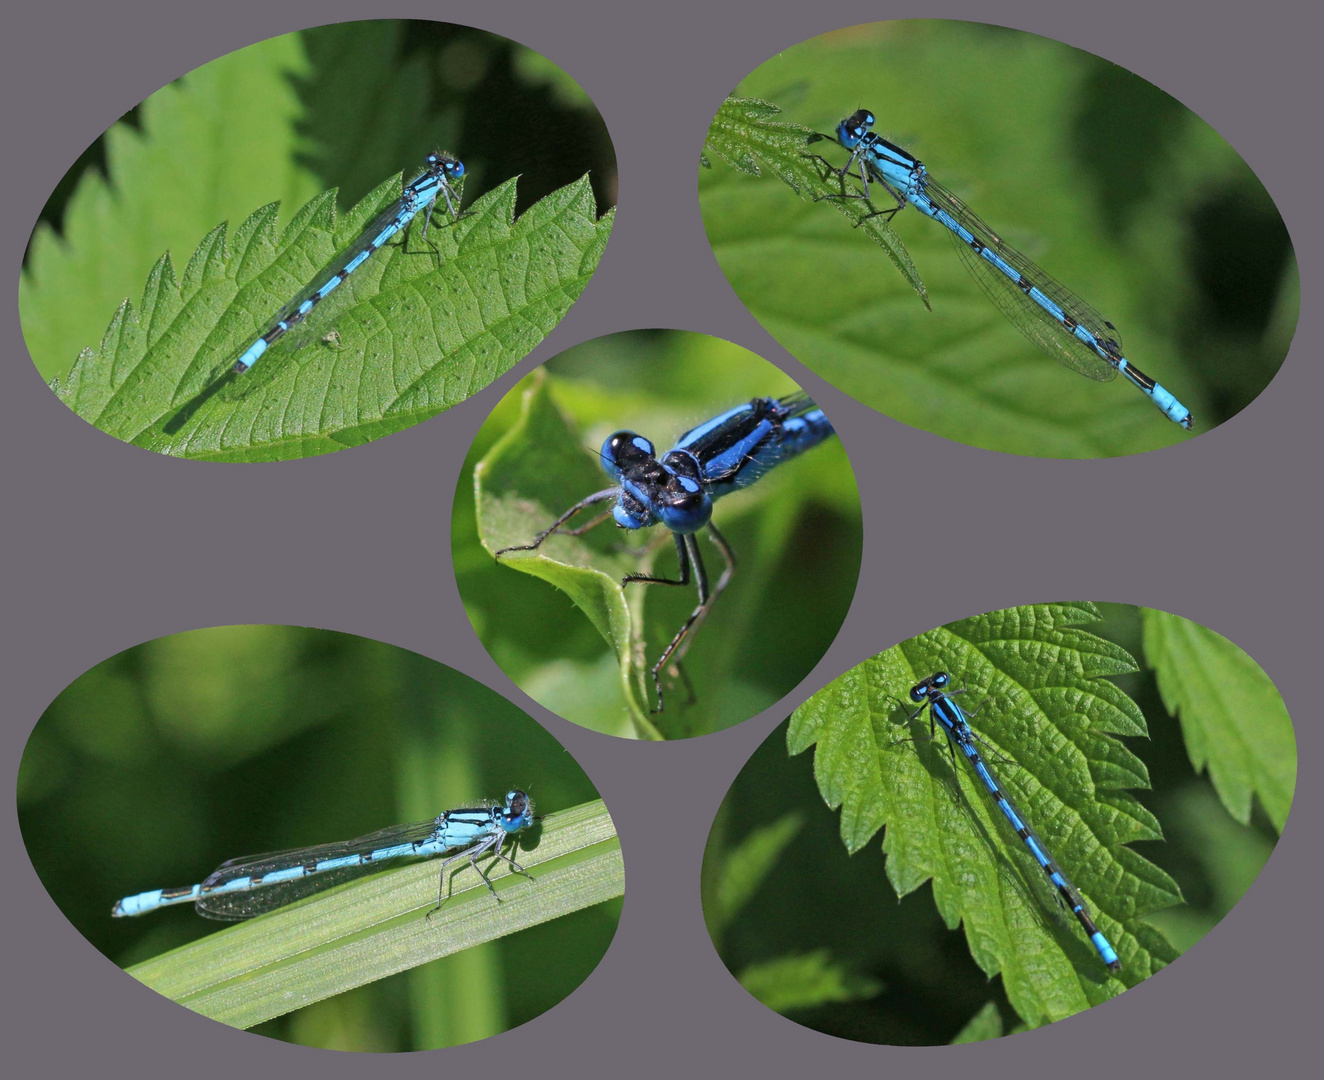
(245, 903)
(347, 255)
(1030, 318)
(234, 906)
(796, 404)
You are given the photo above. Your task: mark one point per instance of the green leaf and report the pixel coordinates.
(805, 981)
(367, 930)
(534, 69)
(744, 135)
(188, 165)
(1229, 856)
(1047, 720)
(413, 331)
(996, 124)
(369, 101)
(745, 868)
(518, 487)
(1234, 720)
(530, 468)
(985, 1024)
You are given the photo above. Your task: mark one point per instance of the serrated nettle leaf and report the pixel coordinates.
(962, 371)
(1233, 718)
(420, 326)
(1046, 721)
(184, 165)
(745, 136)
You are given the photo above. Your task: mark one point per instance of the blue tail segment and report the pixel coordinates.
(677, 490)
(435, 182)
(243, 888)
(1050, 315)
(933, 694)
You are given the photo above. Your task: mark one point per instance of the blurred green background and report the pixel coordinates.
(796, 535)
(910, 980)
(1112, 186)
(167, 759)
(341, 105)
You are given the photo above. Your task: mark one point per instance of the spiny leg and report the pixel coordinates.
(828, 168)
(427, 220)
(727, 554)
(596, 497)
(863, 176)
(685, 555)
(497, 853)
(682, 555)
(689, 550)
(580, 530)
(443, 893)
(473, 854)
(513, 864)
(696, 620)
(455, 214)
(730, 557)
(831, 170)
(675, 651)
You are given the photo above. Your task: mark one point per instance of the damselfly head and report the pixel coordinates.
(937, 681)
(851, 130)
(517, 813)
(451, 167)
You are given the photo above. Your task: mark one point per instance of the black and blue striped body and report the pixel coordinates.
(729, 452)
(1057, 320)
(725, 454)
(243, 888)
(933, 694)
(435, 182)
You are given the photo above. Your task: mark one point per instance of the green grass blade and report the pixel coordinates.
(367, 930)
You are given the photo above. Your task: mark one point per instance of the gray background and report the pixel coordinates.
(108, 546)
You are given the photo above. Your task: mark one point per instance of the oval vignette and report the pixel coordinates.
(827, 913)
(173, 756)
